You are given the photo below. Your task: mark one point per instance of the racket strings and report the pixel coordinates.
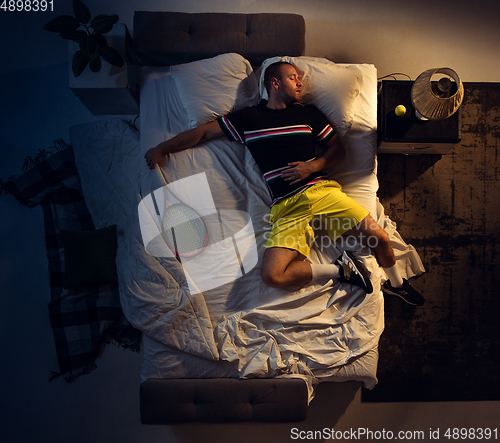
(184, 231)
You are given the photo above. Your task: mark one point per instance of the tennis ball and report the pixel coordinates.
(400, 110)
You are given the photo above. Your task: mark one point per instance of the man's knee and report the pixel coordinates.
(272, 278)
(275, 263)
(376, 236)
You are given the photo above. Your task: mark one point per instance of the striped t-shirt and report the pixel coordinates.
(276, 137)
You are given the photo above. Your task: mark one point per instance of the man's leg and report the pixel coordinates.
(369, 233)
(291, 236)
(284, 267)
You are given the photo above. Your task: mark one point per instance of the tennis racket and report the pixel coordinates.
(182, 228)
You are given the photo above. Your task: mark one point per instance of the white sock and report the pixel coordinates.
(324, 271)
(394, 276)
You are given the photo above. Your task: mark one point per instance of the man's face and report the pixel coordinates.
(290, 85)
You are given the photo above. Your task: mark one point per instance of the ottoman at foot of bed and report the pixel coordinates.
(170, 401)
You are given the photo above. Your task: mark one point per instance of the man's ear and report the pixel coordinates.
(275, 82)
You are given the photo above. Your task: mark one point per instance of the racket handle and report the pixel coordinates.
(160, 174)
(176, 250)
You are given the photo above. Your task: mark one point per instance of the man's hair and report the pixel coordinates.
(273, 71)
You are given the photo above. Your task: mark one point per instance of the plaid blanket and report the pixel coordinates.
(82, 318)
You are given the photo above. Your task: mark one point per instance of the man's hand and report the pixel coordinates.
(155, 156)
(298, 171)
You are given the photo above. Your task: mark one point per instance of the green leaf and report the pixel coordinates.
(103, 21)
(112, 56)
(88, 45)
(81, 12)
(80, 62)
(76, 36)
(103, 30)
(100, 40)
(62, 23)
(95, 62)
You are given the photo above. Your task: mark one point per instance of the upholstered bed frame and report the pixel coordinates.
(170, 38)
(223, 400)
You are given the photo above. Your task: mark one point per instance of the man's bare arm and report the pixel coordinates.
(184, 140)
(333, 154)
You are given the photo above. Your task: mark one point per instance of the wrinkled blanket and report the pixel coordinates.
(266, 332)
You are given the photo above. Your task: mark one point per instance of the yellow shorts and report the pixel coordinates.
(325, 205)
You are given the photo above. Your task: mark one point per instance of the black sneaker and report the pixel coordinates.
(352, 271)
(406, 292)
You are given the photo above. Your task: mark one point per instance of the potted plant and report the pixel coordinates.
(92, 43)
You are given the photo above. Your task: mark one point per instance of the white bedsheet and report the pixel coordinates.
(242, 328)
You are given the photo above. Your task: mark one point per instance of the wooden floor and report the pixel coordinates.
(448, 207)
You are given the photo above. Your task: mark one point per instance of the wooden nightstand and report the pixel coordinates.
(113, 90)
(408, 134)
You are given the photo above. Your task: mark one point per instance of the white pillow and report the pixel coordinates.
(213, 87)
(330, 87)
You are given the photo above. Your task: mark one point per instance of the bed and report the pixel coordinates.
(219, 345)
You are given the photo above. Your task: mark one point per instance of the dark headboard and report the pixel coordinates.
(170, 38)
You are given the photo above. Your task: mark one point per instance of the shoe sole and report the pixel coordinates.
(388, 291)
(362, 271)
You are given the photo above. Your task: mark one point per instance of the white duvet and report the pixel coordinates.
(241, 328)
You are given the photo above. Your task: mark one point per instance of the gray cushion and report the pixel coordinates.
(170, 38)
(223, 400)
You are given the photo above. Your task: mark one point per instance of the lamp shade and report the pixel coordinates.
(427, 103)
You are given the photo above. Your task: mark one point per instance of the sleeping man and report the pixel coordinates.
(282, 135)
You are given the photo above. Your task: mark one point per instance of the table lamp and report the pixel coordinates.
(434, 100)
